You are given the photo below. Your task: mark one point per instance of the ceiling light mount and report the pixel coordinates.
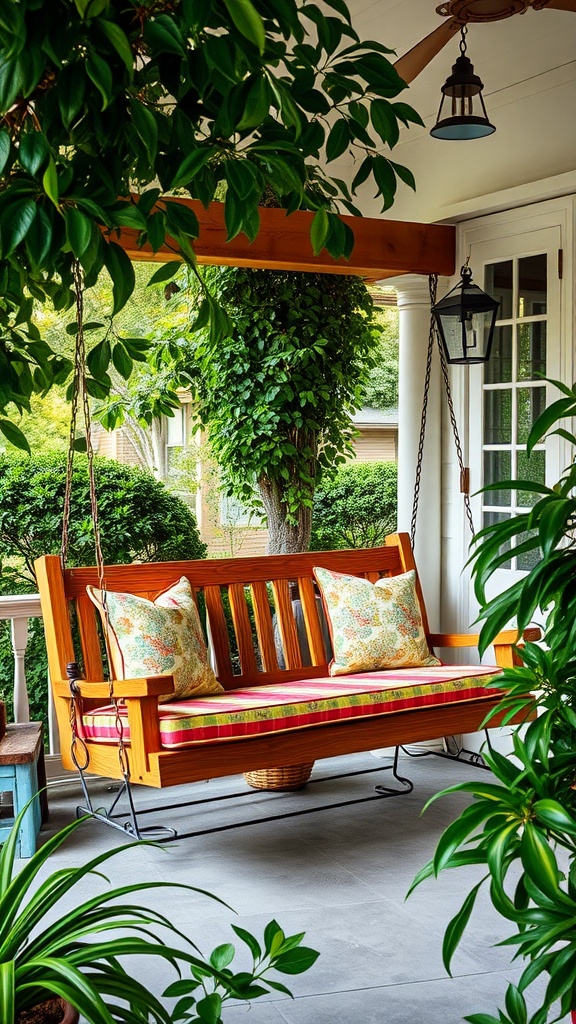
(467, 119)
(485, 11)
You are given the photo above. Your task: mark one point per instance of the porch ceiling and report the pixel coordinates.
(383, 248)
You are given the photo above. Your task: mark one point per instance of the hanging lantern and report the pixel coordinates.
(466, 318)
(463, 86)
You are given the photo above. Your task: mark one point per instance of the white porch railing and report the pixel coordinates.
(19, 609)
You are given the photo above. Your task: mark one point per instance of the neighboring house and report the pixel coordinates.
(225, 524)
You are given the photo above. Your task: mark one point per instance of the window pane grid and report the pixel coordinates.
(513, 393)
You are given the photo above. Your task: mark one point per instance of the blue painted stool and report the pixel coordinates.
(23, 773)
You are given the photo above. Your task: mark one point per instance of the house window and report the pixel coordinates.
(234, 513)
(175, 434)
(513, 391)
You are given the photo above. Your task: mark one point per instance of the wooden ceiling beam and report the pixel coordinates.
(382, 249)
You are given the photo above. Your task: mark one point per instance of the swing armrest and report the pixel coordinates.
(149, 686)
(506, 637)
(503, 643)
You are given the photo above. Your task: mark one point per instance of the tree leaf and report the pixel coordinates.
(4, 149)
(165, 273)
(33, 151)
(101, 75)
(121, 360)
(120, 268)
(15, 224)
(146, 128)
(384, 120)
(248, 21)
(338, 139)
(296, 961)
(50, 182)
(119, 41)
(319, 230)
(14, 435)
(190, 166)
(78, 230)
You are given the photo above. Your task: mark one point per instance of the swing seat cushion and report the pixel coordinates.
(160, 637)
(373, 625)
(276, 708)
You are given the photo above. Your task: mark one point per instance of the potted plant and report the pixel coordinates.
(68, 957)
(526, 819)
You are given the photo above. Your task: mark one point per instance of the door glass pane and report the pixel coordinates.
(533, 468)
(498, 417)
(497, 466)
(529, 559)
(498, 278)
(498, 369)
(532, 280)
(531, 350)
(497, 517)
(531, 403)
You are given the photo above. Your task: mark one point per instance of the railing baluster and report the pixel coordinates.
(19, 634)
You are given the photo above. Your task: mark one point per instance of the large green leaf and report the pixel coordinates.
(33, 152)
(248, 21)
(15, 224)
(78, 230)
(120, 268)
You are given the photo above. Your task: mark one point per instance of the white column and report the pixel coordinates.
(414, 327)
(19, 631)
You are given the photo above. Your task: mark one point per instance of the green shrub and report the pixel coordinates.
(357, 508)
(140, 520)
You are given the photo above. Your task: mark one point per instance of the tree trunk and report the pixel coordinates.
(284, 538)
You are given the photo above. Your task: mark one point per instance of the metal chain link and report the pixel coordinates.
(432, 337)
(432, 285)
(463, 473)
(80, 390)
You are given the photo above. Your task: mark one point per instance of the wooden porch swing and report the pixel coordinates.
(235, 597)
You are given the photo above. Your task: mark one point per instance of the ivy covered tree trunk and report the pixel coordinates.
(287, 535)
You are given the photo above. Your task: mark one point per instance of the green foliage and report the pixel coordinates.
(67, 955)
(381, 391)
(201, 997)
(107, 104)
(139, 519)
(277, 396)
(517, 828)
(357, 509)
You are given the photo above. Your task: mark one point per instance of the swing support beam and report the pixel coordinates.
(382, 248)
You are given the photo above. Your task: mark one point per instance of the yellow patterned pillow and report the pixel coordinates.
(373, 625)
(161, 637)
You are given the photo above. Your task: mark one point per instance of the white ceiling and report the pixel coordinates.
(528, 66)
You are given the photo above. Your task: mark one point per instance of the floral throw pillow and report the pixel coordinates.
(160, 637)
(373, 625)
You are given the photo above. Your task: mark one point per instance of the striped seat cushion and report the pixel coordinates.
(272, 708)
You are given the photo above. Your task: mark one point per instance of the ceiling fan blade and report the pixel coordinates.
(562, 5)
(413, 62)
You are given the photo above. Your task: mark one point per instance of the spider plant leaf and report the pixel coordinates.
(456, 927)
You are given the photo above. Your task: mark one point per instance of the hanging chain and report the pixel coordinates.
(463, 33)
(433, 335)
(432, 284)
(80, 390)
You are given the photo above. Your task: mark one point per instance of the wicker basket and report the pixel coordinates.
(2, 718)
(288, 776)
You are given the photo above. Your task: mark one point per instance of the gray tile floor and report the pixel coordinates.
(340, 875)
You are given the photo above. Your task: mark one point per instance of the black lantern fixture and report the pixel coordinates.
(466, 317)
(463, 86)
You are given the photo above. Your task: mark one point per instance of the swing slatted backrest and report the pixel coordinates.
(239, 598)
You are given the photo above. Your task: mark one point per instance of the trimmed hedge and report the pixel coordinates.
(140, 520)
(357, 509)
